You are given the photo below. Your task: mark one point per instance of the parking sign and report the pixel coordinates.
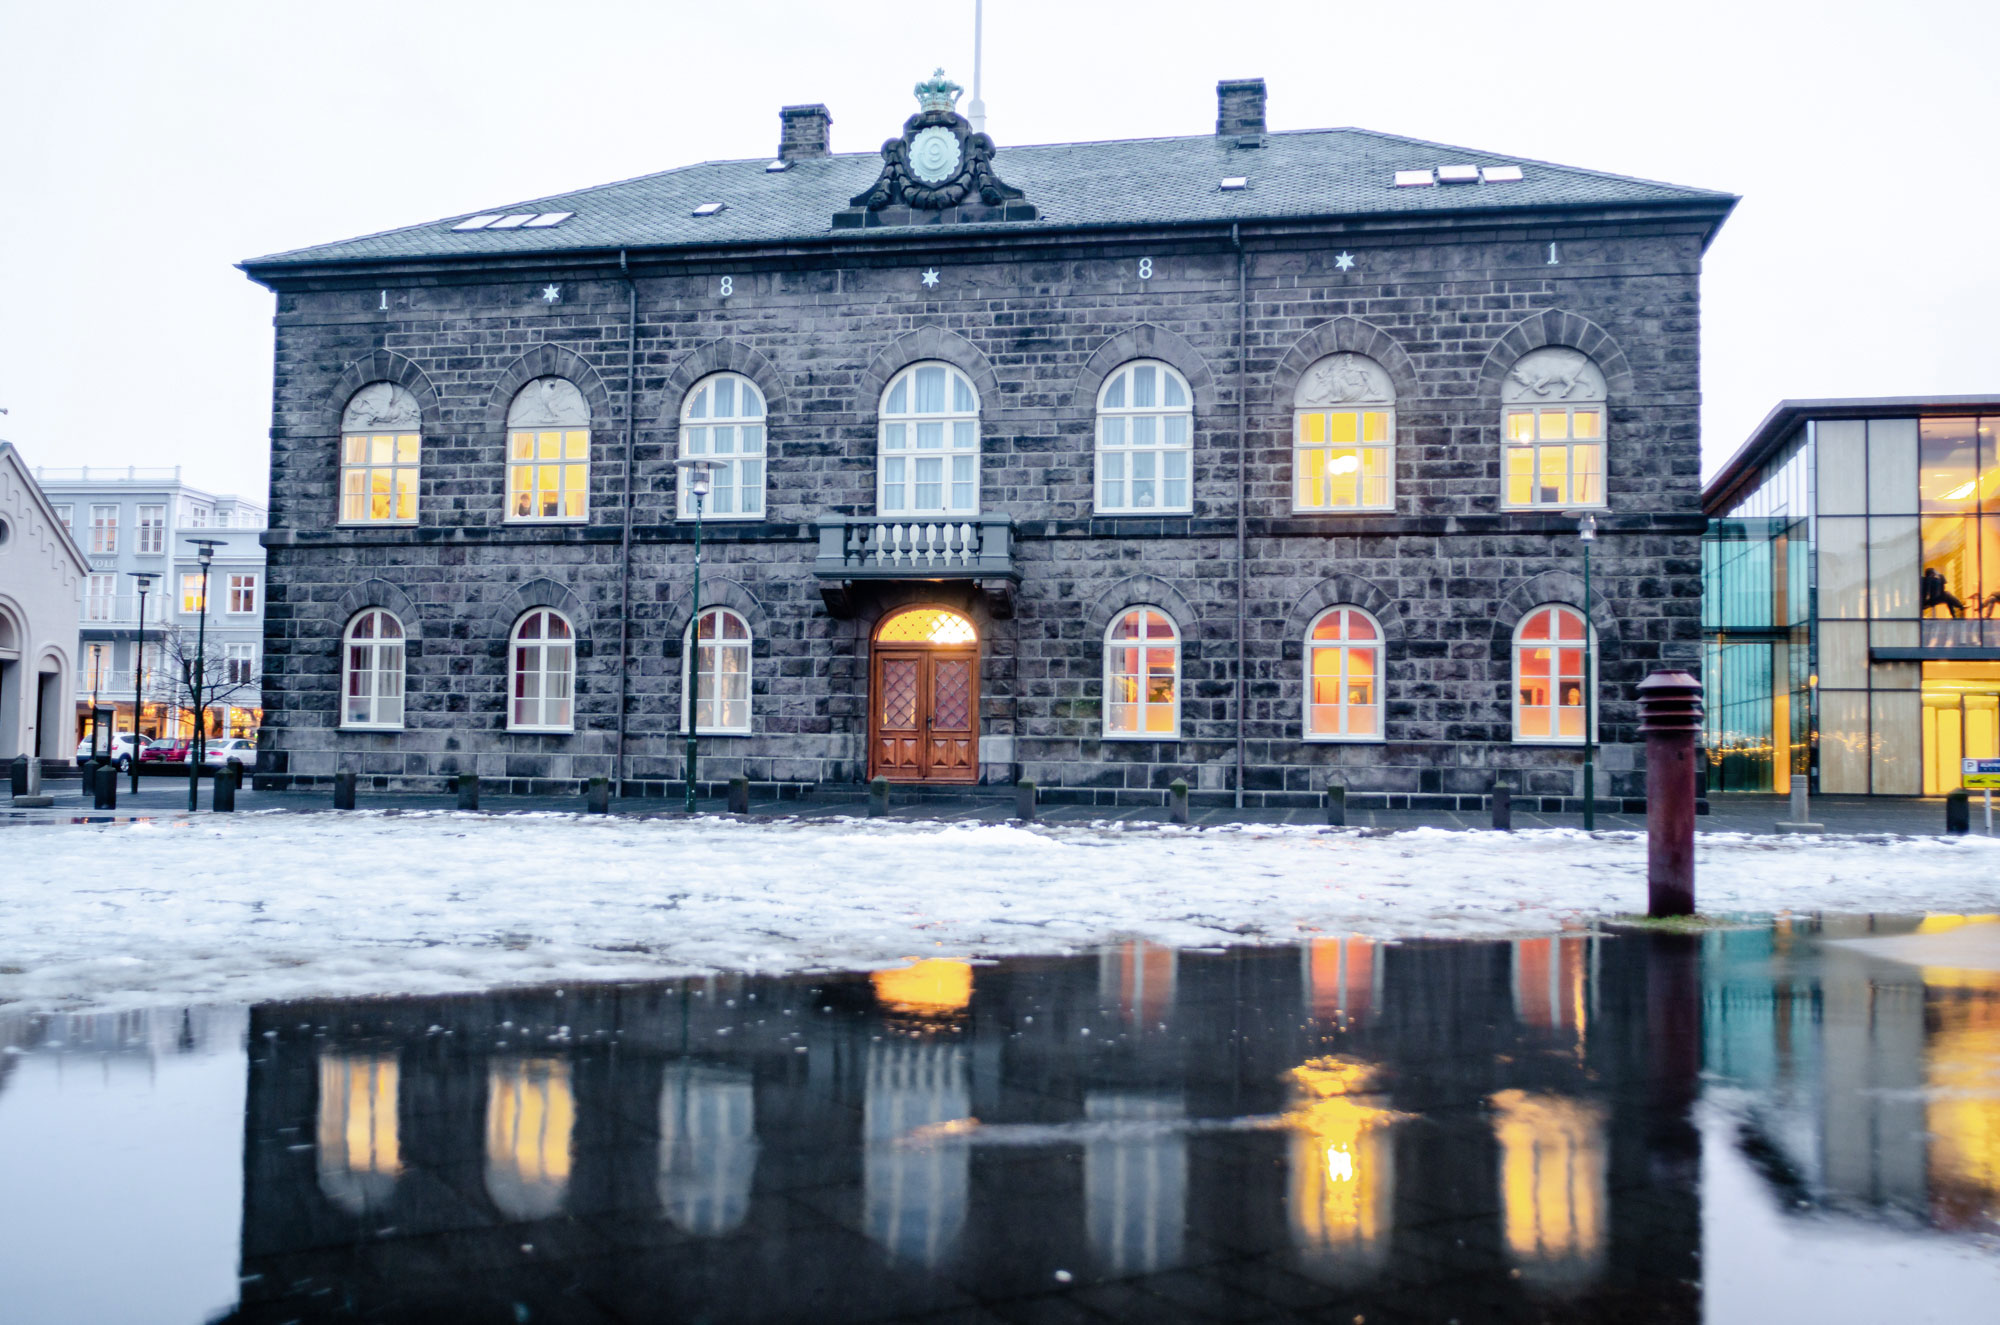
(1981, 774)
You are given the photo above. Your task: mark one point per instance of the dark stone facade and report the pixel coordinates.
(1036, 320)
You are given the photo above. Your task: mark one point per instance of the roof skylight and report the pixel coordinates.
(1414, 179)
(477, 222)
(1235, 182)
(707, 209)
(777, 166)
(547, 219)
(1502, 174)
(1458, 174)
(513, 220)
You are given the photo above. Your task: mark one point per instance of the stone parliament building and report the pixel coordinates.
(1254, 459)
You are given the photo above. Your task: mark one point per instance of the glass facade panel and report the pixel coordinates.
(1842, 445)
(1893, 556)
(1843, 568)
(1897, 746)
(1843, 655)
(1892, 466)
(1843, 741)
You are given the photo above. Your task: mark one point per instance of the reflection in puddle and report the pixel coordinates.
(1581, 1126)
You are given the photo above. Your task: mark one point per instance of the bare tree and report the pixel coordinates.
(174, 681)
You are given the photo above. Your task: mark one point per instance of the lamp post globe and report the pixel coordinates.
(698, 476)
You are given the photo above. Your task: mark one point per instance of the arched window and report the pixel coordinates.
(379, 449)
(530, 1123)
(1142, 676)
(1344, 677)
(1145, 433)
(723, 422)
(358, 1155)
(929, 462)
(1549, 649)
(543, 674)
(1344, 436)
(722, 674)
(1553, 401)
(548, 452)
(372, 671)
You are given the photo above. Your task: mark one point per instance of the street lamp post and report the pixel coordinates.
(145, 586)
(1586, 532)
(205, 553)
(700, 478)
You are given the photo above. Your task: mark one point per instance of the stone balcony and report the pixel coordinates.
(857, 550)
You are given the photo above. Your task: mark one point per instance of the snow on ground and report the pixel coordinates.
(281, 904)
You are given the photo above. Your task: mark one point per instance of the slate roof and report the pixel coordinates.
(1315, 173)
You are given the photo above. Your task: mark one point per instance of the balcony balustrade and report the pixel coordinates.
(854, 550)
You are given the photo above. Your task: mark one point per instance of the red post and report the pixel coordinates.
(1670, 717)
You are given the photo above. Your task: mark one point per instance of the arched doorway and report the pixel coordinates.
(923, 697)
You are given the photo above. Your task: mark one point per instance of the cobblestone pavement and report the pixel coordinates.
(1734, 812)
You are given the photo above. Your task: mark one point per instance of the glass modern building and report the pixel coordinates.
(1851, 597)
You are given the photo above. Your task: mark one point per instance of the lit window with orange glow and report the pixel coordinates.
(1551, 983)
(927, 625)
(1554, 430)
(1342, 1165)
(1142, 676)
(1139, 978)
(359, 1156)
(548, 453)
(1549, 646)
(1344, 436)
(1552, 1171)
(530, 1118)
(1340, 980)
(926, 988)
(1344, 677)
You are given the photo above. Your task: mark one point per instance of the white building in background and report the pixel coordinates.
(134, 521)
(41, 585)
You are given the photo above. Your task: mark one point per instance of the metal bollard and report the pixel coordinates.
(878, 798)
(1957, 812)
(1670, 719)
(105, 777)
(17, 775)
(89, 768)
(222, 790)
(343, 791)
(1801, 820)
(1336, 805)
(739, 795)
(1024, 801)
(597, 799)
(468, 791)
(1177, 806)
(1503, 806)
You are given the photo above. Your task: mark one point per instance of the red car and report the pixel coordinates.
(165, 752)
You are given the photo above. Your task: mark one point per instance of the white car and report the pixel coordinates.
(122, 747)
(222, 749)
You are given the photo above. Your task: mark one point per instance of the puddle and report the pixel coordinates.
(1742, 1125)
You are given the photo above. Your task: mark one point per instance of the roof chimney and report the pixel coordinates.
(803, 132)
(1239, 110)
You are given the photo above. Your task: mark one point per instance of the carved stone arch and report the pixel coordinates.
(53, 661)
(1560, 587)
(929, 343)
(1555, 327)
(378, 592)
(716, 356)
(1342, 591)
(720, 591)
(1344, 335)
(541, 592)
(1143, 591)
(1145, 341)
(384, 366)
(550, 361)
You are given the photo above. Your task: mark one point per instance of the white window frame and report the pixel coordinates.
(572, 443)
(1587, 661)
(899, 448)
(245, 654)
(706, 659)
(152, 531)
(191, 591)
(740, 473)
(537, 658)
(390, 455)
(100, 596)
(1541, 399)
(1119, 425)
(103, 530)
(67, 514)
(197, 516)
(1345, 645)
(100, 655)
(385, 659)
(1144, 705)
(1343, 388)
(242, 583)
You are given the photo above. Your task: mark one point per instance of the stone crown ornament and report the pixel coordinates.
(938, 170)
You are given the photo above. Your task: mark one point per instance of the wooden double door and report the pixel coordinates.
(923, 713)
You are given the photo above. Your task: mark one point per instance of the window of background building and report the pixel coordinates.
(242, 593)
(152, 531)
(722, 674)
(1344, 437)
(67, 514)
(542, 679)
(1142, 673)
(1548, 676)
(97, 671)
(928, 460)
(380, 450)
(548, 452)
(191, 600)
(372, 671)
(241, 665)
(100, 597)
(1344, 677)
(1958, 488)
(197, 516)
(723, 422)
(103, 530)
(1553, 428)
(1145, 434)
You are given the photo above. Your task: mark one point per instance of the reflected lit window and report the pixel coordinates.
(1341, 977)
(928, 988)
(380, 447)
(1344, 676)
(1548, 676)
(1552, 1167)
(1342, 1165)
(722, 674)
(543, 673)
(372, 671)
(1553, 431)
(1142, 673)
(548, 452)
(929, 455)
(1344, 436)
(1139, 979)
(1135, 1177)
(723, 423)
(530, 1115)
(1550, 983)
(914, 1195)
(708, 1147)
(1962, 1099)
(358, 1154)
(1145, 435)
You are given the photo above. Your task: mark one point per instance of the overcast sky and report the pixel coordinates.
(146, 147)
